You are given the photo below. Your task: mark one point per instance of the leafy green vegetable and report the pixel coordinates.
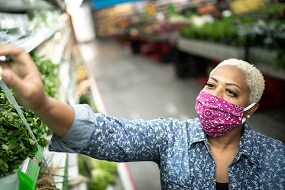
(101, 179)
(101, 173)
(171, 9)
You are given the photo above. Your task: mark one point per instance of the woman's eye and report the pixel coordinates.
(231, 93)
(210, 85)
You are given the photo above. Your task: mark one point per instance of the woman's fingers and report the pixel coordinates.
(17, 54)
(10, 50)
(22, 61)
(22, 76)
(14, 81)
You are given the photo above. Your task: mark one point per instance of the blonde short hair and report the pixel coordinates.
(253, 77)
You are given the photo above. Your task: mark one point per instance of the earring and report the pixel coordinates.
(248, 116)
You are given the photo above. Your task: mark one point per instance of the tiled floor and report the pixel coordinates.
(137, 87)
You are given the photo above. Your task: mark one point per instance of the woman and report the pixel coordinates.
(217, 150)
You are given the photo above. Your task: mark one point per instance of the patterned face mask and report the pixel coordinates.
(218, 116)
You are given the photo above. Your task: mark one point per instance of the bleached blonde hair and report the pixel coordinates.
(253, 77)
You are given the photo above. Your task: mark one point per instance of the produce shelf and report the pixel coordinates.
(30, 167)
(271, 70)
(155, 37)
(209, 49)
(264, 59)
(33, 41)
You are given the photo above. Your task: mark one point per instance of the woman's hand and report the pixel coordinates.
(23, 77)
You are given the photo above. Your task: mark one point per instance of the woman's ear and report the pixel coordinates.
(252, 110)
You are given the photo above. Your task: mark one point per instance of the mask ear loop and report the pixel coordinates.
(247, 108)
(250, 106)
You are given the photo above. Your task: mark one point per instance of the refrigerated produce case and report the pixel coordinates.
(33, 26)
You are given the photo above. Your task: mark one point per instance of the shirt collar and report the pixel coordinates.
(197, 135)
(247, 146)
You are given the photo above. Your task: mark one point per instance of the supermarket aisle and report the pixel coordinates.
(136, 87)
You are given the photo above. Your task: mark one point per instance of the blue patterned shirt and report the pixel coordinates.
(180, 148)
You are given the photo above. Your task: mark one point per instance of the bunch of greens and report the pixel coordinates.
(49, 74)
(16, 143)
(230, 31)
(101, 173)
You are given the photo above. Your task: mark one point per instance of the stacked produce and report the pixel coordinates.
(263, 29)
(230, 31)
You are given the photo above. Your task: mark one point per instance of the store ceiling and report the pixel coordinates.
(100, 4)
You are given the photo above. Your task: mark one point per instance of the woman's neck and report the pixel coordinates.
(227, 141)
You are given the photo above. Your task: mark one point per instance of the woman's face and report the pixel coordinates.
(228, 82)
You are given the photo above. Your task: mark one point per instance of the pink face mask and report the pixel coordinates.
(218, 116)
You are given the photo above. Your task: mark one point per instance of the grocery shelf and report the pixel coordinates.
(156, 37)
(264, 60)
(31, 166)
(56, 46)
(271, 70)
(33, 41)
(209, 49)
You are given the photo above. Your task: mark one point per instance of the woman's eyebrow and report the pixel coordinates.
(232, 84)
(216, 80)
(228, 83)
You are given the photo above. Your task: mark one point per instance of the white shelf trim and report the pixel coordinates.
(42, 35)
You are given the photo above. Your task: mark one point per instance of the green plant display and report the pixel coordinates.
(170, 9)
(49, 73)
(230, 31)
(101, 173)
(16, 143)
(241, 32)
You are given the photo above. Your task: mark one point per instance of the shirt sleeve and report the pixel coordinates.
(105, 137)
(79, 134)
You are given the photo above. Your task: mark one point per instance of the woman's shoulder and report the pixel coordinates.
(268, 153)
(269, 148)
(262, 141)
(268, 143)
